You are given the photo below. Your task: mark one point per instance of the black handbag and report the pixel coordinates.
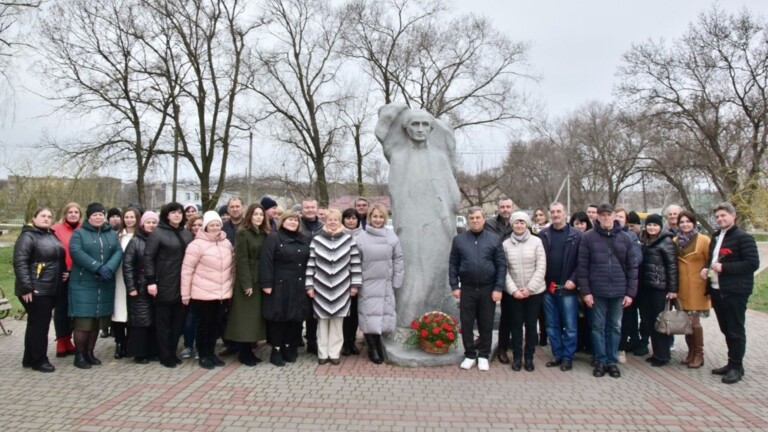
(673, 321)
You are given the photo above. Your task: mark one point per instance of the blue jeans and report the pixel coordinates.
(562, 312)
(190, 328)
(606, 329)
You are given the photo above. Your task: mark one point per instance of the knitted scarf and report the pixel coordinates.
(683, 239)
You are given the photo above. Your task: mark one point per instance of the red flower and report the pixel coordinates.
(436, 330)
(439, 343)
(451, 336)
(725, 252)
(415, 324)
(446, 326)
(427, 319)
(454, 320)
(424, 334)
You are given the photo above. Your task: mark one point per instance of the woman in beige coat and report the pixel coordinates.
(692, 256)
(526, 268)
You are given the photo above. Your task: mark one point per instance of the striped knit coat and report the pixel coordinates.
(333, 269)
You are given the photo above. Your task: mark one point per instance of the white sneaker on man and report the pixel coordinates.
(622, 357)
(482, 364)
(468, 363)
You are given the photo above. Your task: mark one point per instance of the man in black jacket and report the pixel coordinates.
(235, 211)
(734, 260)
(476, 273)
(561, 301)
(501, 226)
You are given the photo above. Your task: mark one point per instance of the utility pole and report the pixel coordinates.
(250, 164)
(175, 162)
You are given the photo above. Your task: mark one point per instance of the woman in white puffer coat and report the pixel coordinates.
(526, 268)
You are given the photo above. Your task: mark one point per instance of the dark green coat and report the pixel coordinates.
(245, 322)
(91, 247)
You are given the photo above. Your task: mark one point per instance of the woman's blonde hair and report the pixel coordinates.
(381, 209)
(290, 213)
(66, 209)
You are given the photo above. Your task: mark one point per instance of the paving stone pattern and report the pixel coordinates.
(360, 396)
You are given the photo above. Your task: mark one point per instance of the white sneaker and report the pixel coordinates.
(186, 353)
(622, 357)
(482, 364)
(469, 363)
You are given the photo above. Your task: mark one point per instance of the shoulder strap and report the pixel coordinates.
(613, 251)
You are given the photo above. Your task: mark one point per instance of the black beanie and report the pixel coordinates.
(94, 208)
(633, 218)
(223, 210)
(114, 211)
(267, 203)
(654, 219)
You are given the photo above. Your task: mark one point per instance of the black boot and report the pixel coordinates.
(276, 358)
(92, 358)
(119, 351)
(373, 349)
(290, 353)
(345, 350)
(81, 362)
(353, 349)
(379, 346)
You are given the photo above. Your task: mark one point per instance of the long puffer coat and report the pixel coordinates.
(382, 264)
(92, 247)
(38, 262)
(140, 306)
(162, 261)
(526, 264)
(245, 322)
(282, 267)
(208, 269)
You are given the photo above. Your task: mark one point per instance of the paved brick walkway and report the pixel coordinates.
(121, 396)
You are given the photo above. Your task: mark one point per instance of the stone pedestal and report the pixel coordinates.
(398, 354)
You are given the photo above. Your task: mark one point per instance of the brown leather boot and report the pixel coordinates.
(689, 343)
(698, 348)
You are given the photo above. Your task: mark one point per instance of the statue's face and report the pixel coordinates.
(418, 128)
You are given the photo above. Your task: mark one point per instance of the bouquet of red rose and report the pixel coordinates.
(436, 328)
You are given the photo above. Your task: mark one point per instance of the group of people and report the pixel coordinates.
(604, 265)
(596, 282)
(244, 275)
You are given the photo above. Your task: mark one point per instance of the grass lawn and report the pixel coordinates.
(759, 299)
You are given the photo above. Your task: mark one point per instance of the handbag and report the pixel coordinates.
(673, 322)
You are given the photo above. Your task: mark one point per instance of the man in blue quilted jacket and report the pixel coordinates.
(607, 278)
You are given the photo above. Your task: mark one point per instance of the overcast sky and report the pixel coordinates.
(576, 48)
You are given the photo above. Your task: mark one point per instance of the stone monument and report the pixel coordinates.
(421, 151)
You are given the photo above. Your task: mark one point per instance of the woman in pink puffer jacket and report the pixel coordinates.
(207, 276)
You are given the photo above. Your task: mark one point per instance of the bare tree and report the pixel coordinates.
(608, 146)
(709, 91)
(97, 61)
(541, 164)
(11, 12)
(480, 188)
(459, 67)
(301, 68)
(382, 36)
(356, 115)
(211, 42)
